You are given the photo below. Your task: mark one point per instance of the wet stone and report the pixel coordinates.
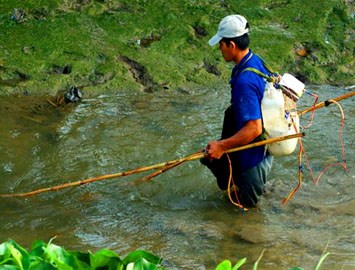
(251, 234)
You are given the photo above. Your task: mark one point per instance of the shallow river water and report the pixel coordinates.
(180, 215)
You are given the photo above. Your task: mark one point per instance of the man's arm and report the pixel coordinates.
(251, 130)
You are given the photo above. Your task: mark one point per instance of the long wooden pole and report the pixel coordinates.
(326, 103)
(163, 165)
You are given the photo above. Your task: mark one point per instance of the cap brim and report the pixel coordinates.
(214, 40)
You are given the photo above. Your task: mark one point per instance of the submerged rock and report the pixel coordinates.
(73, 95)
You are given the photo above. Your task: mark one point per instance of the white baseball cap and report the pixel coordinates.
(230, 27)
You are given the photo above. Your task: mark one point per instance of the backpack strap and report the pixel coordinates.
(274, 77)
(264, 135)
(268, 78)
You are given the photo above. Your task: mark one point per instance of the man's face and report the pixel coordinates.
(227, 50)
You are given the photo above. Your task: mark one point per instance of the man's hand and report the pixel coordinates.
(251, 130)
(214, 150)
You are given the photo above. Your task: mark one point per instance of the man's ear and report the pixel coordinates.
(232, 44)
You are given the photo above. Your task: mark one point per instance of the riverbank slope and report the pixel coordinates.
(105, 45)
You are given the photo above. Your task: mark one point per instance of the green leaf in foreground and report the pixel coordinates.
(13, 254)
(137, 255)
(105, 258)
(239, 264)
(8, 267)
(141, 264)
(37, 248)
(227, 265)
(321, 260)
(53, 257)
(258, 260)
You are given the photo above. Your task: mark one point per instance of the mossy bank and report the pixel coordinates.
(106, 45)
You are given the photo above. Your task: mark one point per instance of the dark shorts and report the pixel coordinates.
(250, 183)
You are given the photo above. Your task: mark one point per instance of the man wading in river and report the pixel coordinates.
(242, 120)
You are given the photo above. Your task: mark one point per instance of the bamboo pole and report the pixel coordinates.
(156, 173)
(326, 103)
(161, 166)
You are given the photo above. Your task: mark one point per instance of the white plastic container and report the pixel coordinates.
(278, 122)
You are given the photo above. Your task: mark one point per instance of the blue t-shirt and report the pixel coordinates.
(247, 93)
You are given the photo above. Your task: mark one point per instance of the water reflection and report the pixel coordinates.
(180, 215)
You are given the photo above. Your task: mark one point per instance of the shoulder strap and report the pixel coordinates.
(274, 77)
(268, 78)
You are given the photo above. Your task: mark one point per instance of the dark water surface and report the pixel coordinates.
(180, 215)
